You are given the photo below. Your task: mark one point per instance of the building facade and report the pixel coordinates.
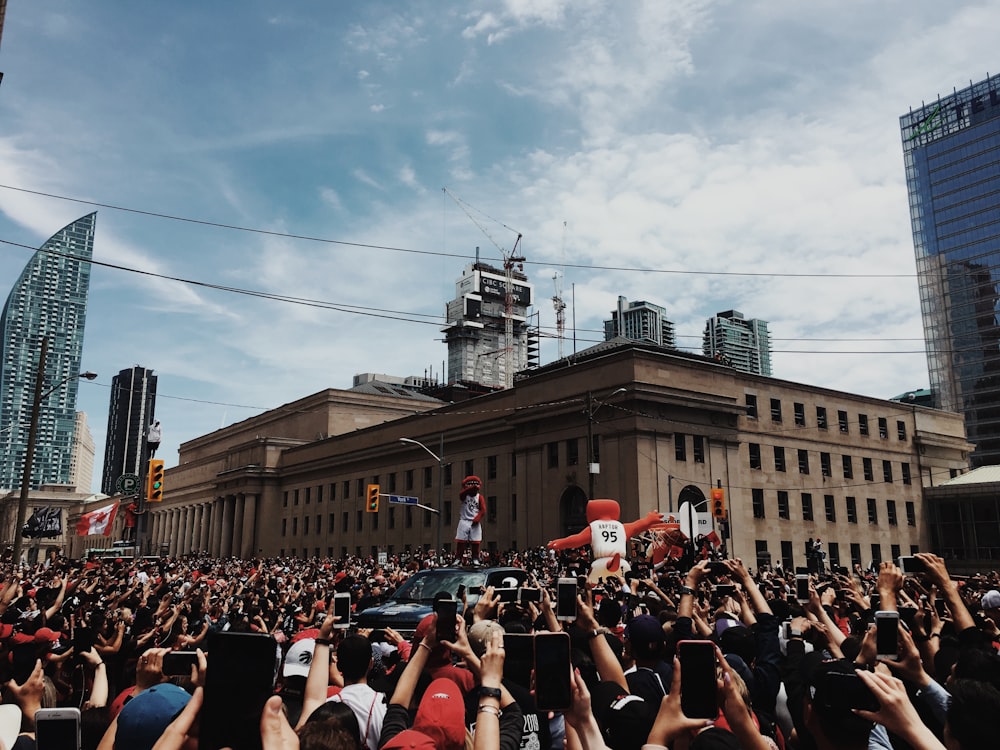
(81, 471)
(640, 321)
(130, 413)
(48, 300)
(796, 462)
(741, 343)
(951, 149)
(476, 332)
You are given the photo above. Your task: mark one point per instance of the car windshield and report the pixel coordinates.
(424, 587)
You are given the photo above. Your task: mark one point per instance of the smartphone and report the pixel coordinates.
(519, 658)
(725, 589)
(242, 668)
(887, 634)
(506, 595)
(179, 662)
(802, 587)
(447, 612)
(848, 691)
(460, 594)
(875, 601)
(553, 671)
(910, 565)
(787, 629)
(529, 595)
(566, 589)
(908, 615)
(699, 697)
(718, 569)
(342, 609)
(57, 729)
(942, 607)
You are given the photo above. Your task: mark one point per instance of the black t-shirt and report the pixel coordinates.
(535, 735)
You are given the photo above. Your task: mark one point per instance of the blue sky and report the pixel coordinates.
(689, 136)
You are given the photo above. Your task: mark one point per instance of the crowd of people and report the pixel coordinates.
(792, 663)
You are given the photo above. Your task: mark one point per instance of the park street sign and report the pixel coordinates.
(127, 484)
(409, 500)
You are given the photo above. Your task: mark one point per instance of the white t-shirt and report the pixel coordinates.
(369, 707)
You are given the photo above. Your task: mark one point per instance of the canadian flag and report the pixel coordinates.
(97, 522)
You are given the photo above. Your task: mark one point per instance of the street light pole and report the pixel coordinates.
(29, 455)
(439, 457)
(592, 466)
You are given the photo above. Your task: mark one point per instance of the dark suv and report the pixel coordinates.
(414, 600)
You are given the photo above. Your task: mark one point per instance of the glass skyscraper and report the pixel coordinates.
(743, 344)
(951, 149)
(133, 400)
(49, 299)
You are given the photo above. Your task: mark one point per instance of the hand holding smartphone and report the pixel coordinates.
(553, 670)
(887, 635)
(699, 693)
(446, 611)
(566, 589)
(57, 729)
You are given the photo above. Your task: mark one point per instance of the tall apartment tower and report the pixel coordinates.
(743, 344)
(640, 321)
(48, 300)
(133, 403)
(476, 328)
(951, 150)
(81, 465)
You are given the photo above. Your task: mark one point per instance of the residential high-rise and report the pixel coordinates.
(81, 471)
(951, 149)
(743, 344)
(640, 321)
(48, 300)
(475, 333)
(133, 403)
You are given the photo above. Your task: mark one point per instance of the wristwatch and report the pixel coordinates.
(489, 692)
(687, 590)
(594, 633)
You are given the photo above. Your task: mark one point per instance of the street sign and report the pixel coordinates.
(404, 500)
(127, 484)
(702, 521)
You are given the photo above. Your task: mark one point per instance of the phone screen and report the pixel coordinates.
(699, 698)
(241, 672)
(942, 607)
(802, 588)
(910, 565)
(447, 611)
(847, 691)
(530, 595)
(566, 599)
(57, 729)
(179, 662)
(519, 658)
(552, 671)
(342, 609)
(886, 633)
(506, 595)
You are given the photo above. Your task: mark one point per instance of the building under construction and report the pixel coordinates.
(482, 347)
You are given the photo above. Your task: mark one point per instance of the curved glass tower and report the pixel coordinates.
(49, 299)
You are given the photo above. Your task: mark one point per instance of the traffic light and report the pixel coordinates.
(373, 493)
(154, 486)
(718, 502)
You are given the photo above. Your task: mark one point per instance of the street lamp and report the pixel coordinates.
(29, 454)
(592, 466)
(439, 457)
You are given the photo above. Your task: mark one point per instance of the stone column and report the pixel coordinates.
(238, 525)
(206, 525)
(228, 511)
(216, 541)
(248, 545)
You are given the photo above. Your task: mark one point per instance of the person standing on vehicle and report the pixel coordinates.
(471, 511)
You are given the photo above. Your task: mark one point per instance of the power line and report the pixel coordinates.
(370, 246)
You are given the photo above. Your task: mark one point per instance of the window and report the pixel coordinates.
(852, 510)
(842, 421)
(783, 505)
(890, 512)
(284, 526)
(786, 555)
(831, 508)
(883, 428)
(901, 429)
(428, 477)
(872, 512)
(491, 465)
(331, 522)
(834, 553)
(513, 466)
(470, 468)
(754, 455)
(447, 513)
(295, 527)
(876, 554)
(821, 417)
(779, 458)
(552, 451)
(319, 495)
(491, 509)
(680, 446)
(409, 479)
(855, 554)
(572, 452)
(344, 521)
(863, 424)
(295, 497)
(333, 491)
(763, 556)
(513, 511)
(308, 495)
(392, 483)
(905, 471)
(775, 409)
(751, 406)
(894, 550)
(803, 461)
(360, 520)
(284, 499)
(361, 487)
(887, 472)
(758, 502)
(848, 467)
(447, 474)
(866, 463)
(807, 506)
(408, 518)
(800, 414)
(305, 526)
(426, 516)
(698, 450)
(826, 469)
(911, 513)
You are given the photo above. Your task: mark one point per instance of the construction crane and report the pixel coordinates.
(557, 300)
(510, 261)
